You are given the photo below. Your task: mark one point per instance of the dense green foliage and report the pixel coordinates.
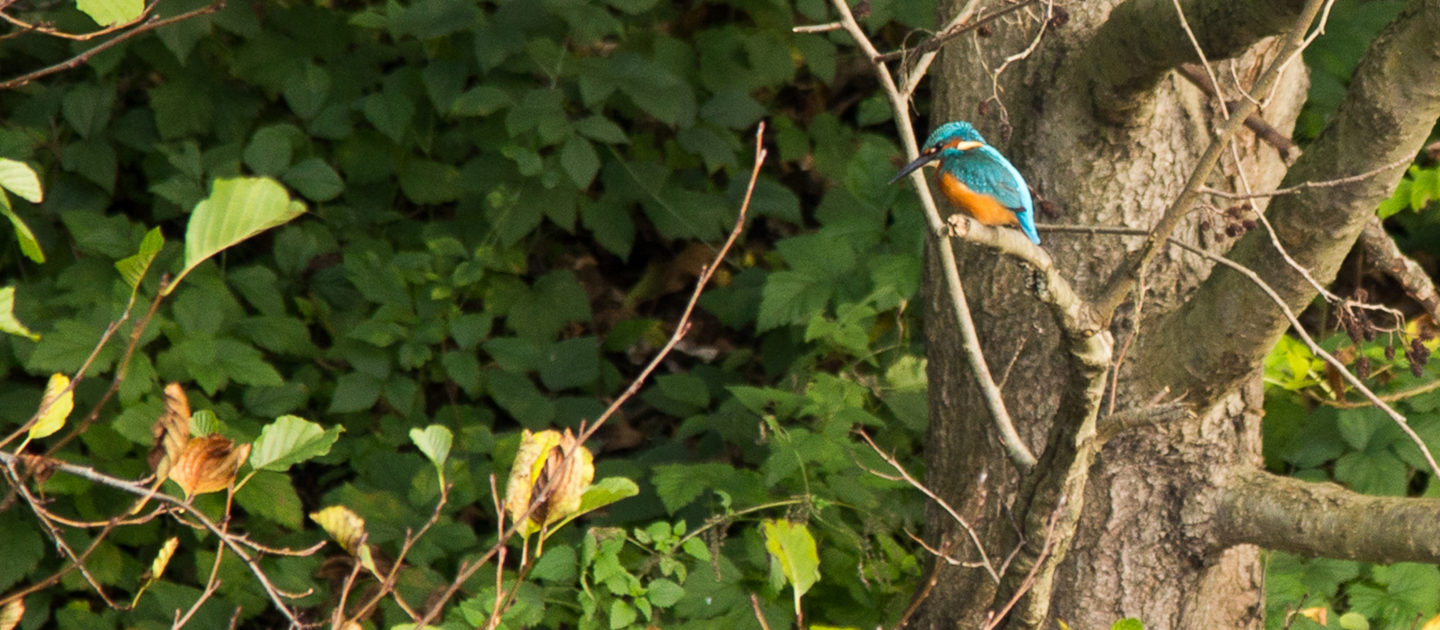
(507, 204)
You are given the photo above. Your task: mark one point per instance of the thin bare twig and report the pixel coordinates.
(183, 506)
(1015, 448)
(954, 515)
(951, 31)
(73, 62)
(27, 27)
(682, 327)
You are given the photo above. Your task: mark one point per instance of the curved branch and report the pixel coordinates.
(1144, 39)
(1324, 519)
(1223, 331)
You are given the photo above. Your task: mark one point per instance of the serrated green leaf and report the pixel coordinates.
(271, 495)
(133, 268)
(110, 12)
(237, 209)
(290, 440)
(434, 441)
(8, 322)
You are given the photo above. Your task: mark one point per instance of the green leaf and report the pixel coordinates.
(480, 101)
(1353, 621)
(621, 614)
(8, 322)
(315, 179)
(204, 422)
(664, 593)
(290, 440)
(87, 107)
(28, 244)
(269, 151)
(237, 209)
(605, 492)
(1128, 624)
(19, 178)
(306, 90)
(271, 495)
(390, 112)
(133, 268)
(430, 182)
(110, 12)
(792, 547)
(600, 128)
(580, 162)
(570, 363)
(355, 391)
(434, 441)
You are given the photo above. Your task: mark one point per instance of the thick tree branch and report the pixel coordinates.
(1124, 279)
(1223, 331)
(1323, 519)
(1144, 39)
(1382, 253)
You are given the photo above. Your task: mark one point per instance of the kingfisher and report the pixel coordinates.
(976, 178)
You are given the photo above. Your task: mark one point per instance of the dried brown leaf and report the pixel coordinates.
(208, 464)
(171, 431)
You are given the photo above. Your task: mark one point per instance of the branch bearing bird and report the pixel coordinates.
(976, 178)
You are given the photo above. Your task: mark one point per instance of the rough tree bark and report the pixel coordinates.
(1108, 134)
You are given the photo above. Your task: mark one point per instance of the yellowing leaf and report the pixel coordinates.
(548, 459)
(55, 407)
(157, 567)
(1432, 624)
(1317, 614)
(19, 178)
(208, 464)
(348, 529)
(8, 322)
(345, 526)
(793, 548)
(11, 614)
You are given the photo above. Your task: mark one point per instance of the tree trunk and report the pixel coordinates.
(1107, 136)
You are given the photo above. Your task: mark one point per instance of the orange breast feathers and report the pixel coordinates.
(983, 207)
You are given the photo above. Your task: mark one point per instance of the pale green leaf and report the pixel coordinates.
(133, 268)
(290, 440)
(108, 12)
(19, 178)
(236, 210)
(204, 422)
(8, 322)
(29, 245)
(793, 548)
(434, 441)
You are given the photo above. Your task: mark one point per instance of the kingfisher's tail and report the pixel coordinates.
(1027, 225)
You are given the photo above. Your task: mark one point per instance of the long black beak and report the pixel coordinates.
(925, 158)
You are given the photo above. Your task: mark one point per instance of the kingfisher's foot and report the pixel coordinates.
(1034, 279)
